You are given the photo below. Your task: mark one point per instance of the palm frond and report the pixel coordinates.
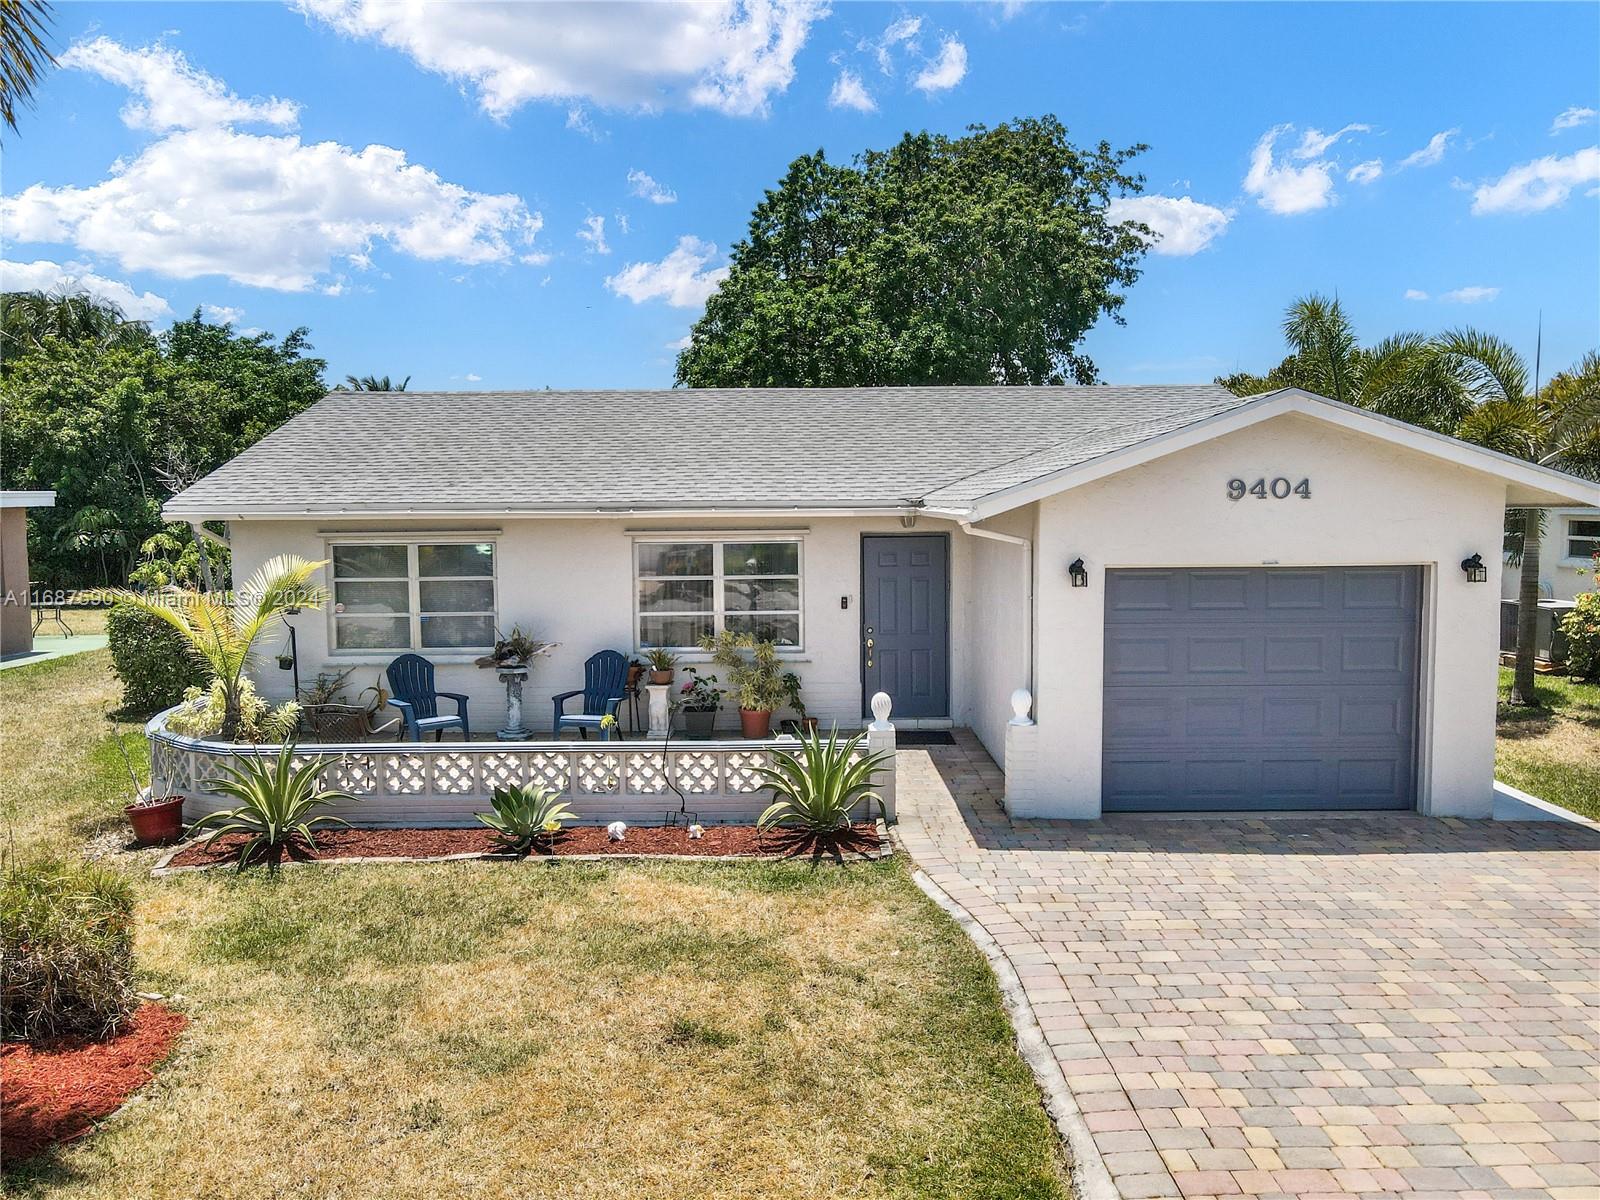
(1490, 367)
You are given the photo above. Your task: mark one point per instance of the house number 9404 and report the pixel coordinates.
(1262, 489)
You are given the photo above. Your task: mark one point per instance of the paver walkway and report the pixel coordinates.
(1311, 1007)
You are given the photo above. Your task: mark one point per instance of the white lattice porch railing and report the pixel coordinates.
(445, 783)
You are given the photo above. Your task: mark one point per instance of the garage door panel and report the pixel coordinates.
(1260, 688)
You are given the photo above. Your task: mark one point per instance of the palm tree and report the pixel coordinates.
(221, 635)
(28, 318)
(23, 53)
(1557, 425)
(371, 383)
(1400, 377)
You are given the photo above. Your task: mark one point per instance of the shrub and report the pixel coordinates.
(66, 936)
(203, 714)
(817, 788)
(152, 659)
(524, 813)
(277, 801)
(1582, 627)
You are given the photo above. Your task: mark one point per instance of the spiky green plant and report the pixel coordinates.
(818, 788)
(277, 801)
(523, 813)
(222, 635)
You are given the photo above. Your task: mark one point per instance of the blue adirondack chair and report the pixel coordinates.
(605, 678)
(411, 682)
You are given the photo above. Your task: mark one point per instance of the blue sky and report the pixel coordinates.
(515, 196)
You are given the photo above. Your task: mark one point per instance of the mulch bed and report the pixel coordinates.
(56, 1091)
(718, 841)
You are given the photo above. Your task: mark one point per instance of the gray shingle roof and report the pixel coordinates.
(496, 452)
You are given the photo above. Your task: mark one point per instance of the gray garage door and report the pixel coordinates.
(1269, 688)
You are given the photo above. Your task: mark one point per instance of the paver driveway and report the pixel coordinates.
(1295, 1007)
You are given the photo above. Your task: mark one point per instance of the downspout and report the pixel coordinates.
(1027, 569)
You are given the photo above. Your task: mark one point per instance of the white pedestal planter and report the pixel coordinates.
(660, 713)
(515, 730)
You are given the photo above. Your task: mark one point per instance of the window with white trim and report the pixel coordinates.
(688, 589)
(413, 595)
(1583, 537)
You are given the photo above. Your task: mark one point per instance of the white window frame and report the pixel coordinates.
(719, 610)
(1568, 537)
(414, 581)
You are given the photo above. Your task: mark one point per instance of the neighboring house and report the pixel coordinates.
(16, 614)
(1567, 548)
(1209, 602)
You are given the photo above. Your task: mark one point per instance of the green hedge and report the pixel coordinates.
(151, 659)
(66, 936)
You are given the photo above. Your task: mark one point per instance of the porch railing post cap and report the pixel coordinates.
(1021, 703)
(881, 706)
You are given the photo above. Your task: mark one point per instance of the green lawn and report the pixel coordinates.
(1553, 751)
(487, 1029)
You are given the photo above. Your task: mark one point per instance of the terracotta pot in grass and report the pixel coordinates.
(158, 819)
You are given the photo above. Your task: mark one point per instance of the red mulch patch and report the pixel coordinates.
(862, 839)
(56, 1091)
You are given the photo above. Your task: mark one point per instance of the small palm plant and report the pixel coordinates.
(277, 801)
(523, 814)
(818, 788)
(222, 636)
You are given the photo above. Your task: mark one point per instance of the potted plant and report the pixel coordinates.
(154, 818)
(754, 673)
(791, 687)
(700, 699)
(662, 662)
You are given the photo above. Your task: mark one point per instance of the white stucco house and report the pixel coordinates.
(1138, 598)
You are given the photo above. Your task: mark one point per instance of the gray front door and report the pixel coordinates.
(1252, 688)
(905, 622)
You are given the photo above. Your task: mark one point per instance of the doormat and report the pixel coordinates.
(923, 737)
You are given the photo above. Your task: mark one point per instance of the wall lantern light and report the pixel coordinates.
(1475, 570)
(1078, 573)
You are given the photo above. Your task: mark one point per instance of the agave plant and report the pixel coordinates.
(277, 801)
(523, 814)
(818, 788)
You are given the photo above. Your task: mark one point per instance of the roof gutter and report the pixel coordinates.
(181, 512)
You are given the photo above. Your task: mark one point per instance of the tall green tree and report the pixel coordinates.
(978, 259)
(1401, 376)
(24, 53)
(28, 318)
(115, 425)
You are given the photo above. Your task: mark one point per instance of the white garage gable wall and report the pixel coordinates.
(1371, 504)
(571, 581)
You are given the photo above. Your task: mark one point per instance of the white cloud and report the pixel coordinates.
(473, 378)
(1366, 172)
(1432, 152)
(901, 31)
(224, 314)
(681, 278)
(594, 233)
(1535, 186)
(46, 276)
(1470, 295)
(682, 343)
(1571, 118)
(1314, 143)
(1415, 294)
(270, 211)
(1182, 225)
(728, 55)
(849, 92)
(944, 72)
(169, 93)
(1282, 188)
(646, 188)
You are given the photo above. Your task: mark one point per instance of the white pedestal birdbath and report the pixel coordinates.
(515, 730)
